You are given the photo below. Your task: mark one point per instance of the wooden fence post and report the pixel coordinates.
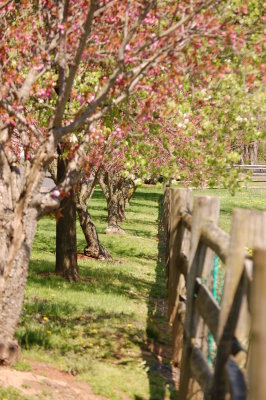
(166, 227)
(205, 210)
(248, 230)
(180, 200)
(257, 367)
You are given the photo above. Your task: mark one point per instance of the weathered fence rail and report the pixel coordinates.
(237, 324)
(257, 172)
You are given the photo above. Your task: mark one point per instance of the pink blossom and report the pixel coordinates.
(61, 28)
(119, 79)
(56, 194)
(80, 99)
(44, 93)
(244, 9)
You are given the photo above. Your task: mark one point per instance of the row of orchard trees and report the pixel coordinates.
(114, 88)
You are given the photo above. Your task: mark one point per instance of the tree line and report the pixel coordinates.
(116, 90)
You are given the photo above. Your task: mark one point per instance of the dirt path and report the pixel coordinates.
(47, 383)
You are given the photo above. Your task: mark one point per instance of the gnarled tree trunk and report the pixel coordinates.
(112, 189)
(118, 191)
(121, 208)
(128, 189)
(14, 271)
(93, 249)
(66, 237)
(250, 153)
(20, 207)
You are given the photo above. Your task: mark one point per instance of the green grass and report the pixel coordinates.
(244, 198)
(13, 394)
(22, 365)
(97, 328)
(109, 327)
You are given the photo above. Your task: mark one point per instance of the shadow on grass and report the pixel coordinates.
(140, 199)
(139, 232)
(91, 280)
(133, 221)
(132, 251)
(139, 194)
(59, 329)
(159, 351)
(103, 210)
(143, 195)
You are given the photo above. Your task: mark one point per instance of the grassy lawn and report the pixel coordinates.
(101, 328)
(244, 198)
(109, 328)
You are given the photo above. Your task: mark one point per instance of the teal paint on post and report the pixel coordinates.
(215, 272)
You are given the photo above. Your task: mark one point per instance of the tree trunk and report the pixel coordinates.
(21, 205)
(18, 223)
(121, 208)
(113, 209)
(93, 249)
(124, 196)
(112, 189)
(118, 191)
(66, 238)
(13, 281)
(250, 153)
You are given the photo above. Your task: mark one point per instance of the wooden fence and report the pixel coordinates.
(257, 173)
(238, 324)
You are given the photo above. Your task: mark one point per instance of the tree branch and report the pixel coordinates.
(5, 4)
(20, 118)
(67, 86)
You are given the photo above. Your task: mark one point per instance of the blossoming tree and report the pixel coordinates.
(47, 48)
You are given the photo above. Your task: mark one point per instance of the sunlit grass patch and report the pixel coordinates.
(96, 328)
(22, 365)
(244, 198)
(13, 394)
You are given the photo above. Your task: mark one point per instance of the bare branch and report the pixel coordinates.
(208, 4)
(133, 30)
(20, 118)
(24, 92)
(66, 90)
(99, 10)
(61, 57)
(77, 123)
(184, 20)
